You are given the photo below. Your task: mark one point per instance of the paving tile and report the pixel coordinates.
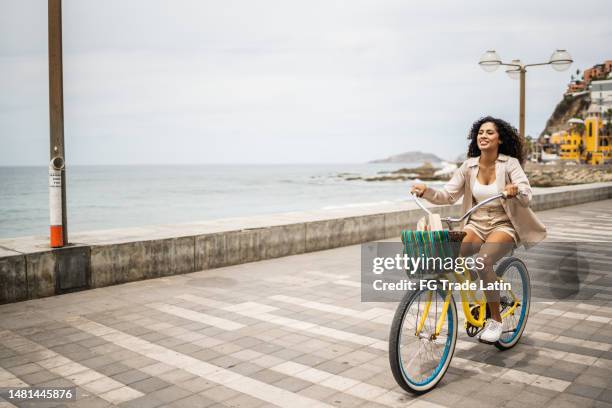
(120, 395)
(57, 383)
(568, 400)
(97, 362)
(360, 373)
(130, 376)
(585, 391)
(38, 377)
(225, 361)
(157, 369)
(149, 385)
(219, 393)
(292, 384)
(138, 362)
(187, 348)
(344, 400)
(244, 401)
(194, 401)
(170, 394)
(207, 355)
(176, 376)
(102, 385)
(246, 368)
(26, 369)
(606, 395)
(333, 366)
(14, 361)
(196, 385)
(146, 401)
(113, 368)
(267, 376)
(442, 397)
(317, 392)
(92, 342)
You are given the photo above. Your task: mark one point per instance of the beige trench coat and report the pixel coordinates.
(507, 170)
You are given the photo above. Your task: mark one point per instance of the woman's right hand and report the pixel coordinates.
(418, 189)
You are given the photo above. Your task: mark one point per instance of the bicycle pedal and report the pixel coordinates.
(473, 331)
(470, 329)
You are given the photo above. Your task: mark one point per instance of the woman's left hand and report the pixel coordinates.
(511, 190)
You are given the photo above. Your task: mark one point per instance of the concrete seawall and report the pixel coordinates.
(30, 269)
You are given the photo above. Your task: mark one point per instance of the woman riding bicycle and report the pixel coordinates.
(494, 165)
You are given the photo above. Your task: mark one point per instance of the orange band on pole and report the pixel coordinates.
(55, 203)
(57, 236)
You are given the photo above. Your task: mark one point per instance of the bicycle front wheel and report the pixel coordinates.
(515, 302)
(419, 358)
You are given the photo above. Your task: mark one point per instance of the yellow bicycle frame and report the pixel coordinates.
(468, 298)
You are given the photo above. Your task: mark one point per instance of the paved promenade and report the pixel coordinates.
(292, 332)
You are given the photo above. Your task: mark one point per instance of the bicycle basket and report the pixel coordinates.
(433, 247)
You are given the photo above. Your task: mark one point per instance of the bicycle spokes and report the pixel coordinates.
(424, 338)
(514, 303)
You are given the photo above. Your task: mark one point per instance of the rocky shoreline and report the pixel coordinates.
(540, 175)
(564, 175)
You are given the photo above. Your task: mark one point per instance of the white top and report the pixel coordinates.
(483, 191)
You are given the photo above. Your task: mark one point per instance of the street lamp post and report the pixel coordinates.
(57, 170)
(560, 60)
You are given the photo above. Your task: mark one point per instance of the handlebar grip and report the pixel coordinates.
(520, 193)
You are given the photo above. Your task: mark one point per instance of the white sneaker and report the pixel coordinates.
(492, 331)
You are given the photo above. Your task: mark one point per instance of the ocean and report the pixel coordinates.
(103, 197)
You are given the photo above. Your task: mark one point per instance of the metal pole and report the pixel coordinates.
(522, 104)
(56, 105)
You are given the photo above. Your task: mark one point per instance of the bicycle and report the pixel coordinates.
(424, 330)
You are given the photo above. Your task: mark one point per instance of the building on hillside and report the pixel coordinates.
(601, 94)
(575, 86)
(570, 141)
(588, 141)
(599, 71)
(595, 73)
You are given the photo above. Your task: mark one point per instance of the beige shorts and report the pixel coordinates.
(485, 220)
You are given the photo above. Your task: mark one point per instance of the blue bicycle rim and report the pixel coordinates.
(447, 347)
(523, 308)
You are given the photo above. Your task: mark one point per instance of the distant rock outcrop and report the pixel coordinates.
(424, 172)
(410, 157)
(572, 106)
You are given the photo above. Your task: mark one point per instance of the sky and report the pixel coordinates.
(318, 81)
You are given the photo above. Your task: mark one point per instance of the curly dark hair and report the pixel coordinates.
(512, 143)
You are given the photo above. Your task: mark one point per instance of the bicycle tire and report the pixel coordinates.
(395, 357)
(506, 265)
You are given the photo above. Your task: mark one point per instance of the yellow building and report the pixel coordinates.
(587, 141)
(597, 140)
(557, 138)
(571, 141)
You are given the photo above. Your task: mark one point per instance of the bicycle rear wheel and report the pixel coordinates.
(513, 271)
(419, 362)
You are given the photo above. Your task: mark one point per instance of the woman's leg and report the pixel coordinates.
(470, 244)
(497, 245)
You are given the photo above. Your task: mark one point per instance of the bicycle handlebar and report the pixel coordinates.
(450, 220)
